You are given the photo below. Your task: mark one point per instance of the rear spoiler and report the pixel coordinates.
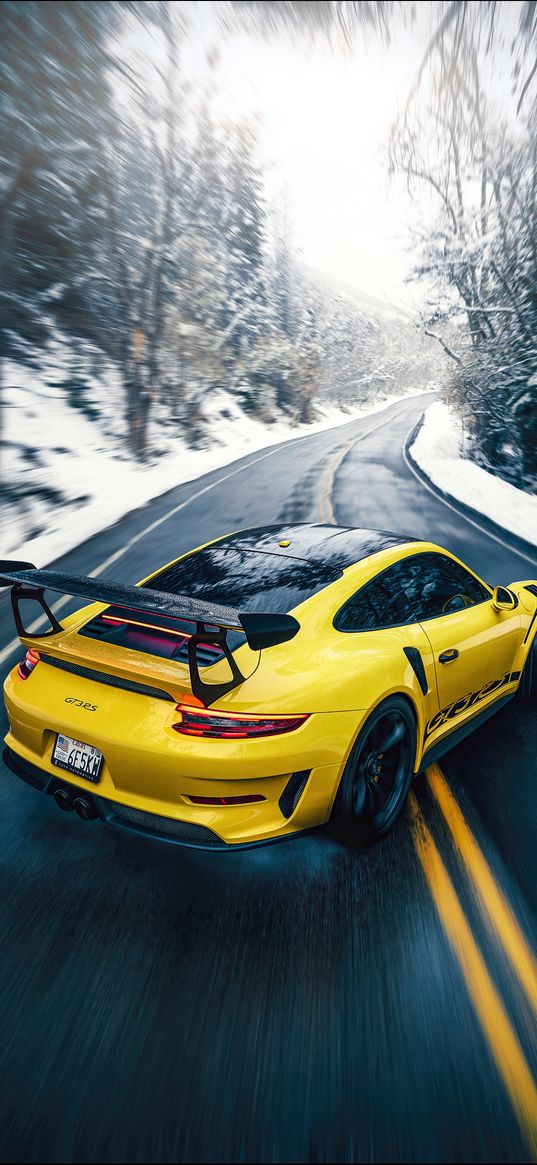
(213, 621)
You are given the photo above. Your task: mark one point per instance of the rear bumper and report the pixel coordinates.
(155, 775)
(183, 833)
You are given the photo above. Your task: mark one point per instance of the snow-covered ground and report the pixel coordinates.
(76, 476)
(437, 451)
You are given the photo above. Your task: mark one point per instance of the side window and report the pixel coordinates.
(380, 603)
(436, 585)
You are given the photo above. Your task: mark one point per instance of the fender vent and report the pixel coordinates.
(101, 677)
(416, 663)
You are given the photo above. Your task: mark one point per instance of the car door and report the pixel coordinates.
(473, 645)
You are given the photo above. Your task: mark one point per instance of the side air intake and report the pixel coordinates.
(293, 791)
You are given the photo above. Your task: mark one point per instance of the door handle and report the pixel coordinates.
(448, 656)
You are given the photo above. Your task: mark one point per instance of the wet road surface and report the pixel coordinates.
(303, 1002)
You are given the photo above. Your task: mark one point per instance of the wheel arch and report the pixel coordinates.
(412, 704)
(418, 721)
(386, 698)
(411, 699)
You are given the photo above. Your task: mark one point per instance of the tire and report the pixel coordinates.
(374, 785)
(527, 688)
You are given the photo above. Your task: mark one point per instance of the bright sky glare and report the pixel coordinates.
(325, 118)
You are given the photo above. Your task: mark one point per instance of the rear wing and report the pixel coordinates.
(212, 620)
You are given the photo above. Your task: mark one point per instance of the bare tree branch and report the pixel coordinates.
(449, 351)
(526, 86)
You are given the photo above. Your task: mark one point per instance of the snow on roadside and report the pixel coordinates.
(77, 478)
(437, 451)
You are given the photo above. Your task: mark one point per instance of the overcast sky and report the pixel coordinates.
(324, 122)
(325, 117)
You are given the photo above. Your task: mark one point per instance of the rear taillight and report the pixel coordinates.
(232, 726)
(26, 666)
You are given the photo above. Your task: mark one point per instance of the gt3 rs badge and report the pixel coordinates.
(465, 702)
(81, 704)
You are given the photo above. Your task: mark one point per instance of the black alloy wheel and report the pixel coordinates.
(378, 772)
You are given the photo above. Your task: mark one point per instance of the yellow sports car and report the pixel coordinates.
(255, 686)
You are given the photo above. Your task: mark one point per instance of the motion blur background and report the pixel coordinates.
(220, 218)
(223, 226)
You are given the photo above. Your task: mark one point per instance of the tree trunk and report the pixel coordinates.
(137, 411)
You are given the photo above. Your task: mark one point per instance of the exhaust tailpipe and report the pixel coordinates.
(85, 808)
(63, 800)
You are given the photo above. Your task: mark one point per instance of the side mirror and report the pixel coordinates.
(503, 600)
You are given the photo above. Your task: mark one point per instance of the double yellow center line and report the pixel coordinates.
(325, 505)
(326, 482)
(502, 1039)
(492, 1015)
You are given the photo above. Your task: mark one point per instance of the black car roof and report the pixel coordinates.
(334, 546)
(251, 571)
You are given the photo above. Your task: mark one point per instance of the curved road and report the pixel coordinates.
(303, 1002)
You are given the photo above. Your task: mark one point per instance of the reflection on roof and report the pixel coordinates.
(250, 571)
(337, 546)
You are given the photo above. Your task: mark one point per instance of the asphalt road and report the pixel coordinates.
(303, 1002)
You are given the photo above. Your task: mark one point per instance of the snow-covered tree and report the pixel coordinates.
(53, 120)
(136, 217)
(479, 251)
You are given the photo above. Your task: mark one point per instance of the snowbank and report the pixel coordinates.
(436, 450)
(75, 476)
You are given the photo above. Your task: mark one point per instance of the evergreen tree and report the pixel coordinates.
(53, 121)
(246, 234)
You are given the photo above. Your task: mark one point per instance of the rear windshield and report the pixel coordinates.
(247, 580)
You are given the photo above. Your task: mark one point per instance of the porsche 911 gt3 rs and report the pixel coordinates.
(258, 685)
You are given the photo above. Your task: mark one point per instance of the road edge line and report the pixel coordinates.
(483, 523)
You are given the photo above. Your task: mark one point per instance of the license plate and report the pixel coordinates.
(77, 757)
